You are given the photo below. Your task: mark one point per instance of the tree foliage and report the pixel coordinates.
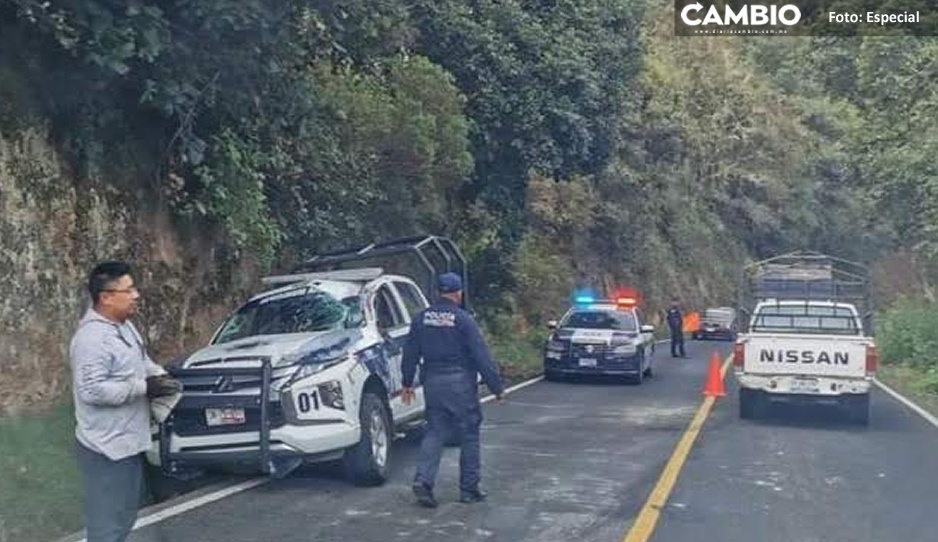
(559, 142)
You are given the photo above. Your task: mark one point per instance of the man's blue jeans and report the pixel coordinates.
(112, 494)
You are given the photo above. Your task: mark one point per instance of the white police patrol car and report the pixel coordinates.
(309, 371)
(600, 337)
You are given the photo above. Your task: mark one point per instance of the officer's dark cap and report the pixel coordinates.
(449, 283)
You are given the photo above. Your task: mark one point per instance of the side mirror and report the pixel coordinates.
(648, 328)
(552, 324)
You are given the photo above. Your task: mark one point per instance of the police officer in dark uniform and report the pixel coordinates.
(453, 351)
(676, 323)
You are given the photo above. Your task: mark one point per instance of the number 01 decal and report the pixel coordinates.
(308, 401)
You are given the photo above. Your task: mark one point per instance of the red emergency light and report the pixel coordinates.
(627, 297)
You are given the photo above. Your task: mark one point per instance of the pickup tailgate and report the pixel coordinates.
(815, 355)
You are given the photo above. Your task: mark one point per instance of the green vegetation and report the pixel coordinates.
(908, 342)
(910, 383)
(40, 497)
(561, 144)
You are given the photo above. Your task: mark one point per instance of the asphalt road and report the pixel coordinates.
(561, 461)
(807, 476)
(576, 461)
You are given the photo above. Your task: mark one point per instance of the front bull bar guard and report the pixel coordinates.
(168, 459)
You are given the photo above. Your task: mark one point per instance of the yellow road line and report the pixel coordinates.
(647, 519)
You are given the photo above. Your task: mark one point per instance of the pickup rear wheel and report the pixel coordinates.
(858, 409)
(367, 462)
(749, 402)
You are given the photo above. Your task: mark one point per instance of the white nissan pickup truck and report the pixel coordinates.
(805, 351)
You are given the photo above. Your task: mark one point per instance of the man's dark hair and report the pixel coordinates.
(104, 275)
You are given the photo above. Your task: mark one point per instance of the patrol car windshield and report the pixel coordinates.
(600, 319)
(297, 311)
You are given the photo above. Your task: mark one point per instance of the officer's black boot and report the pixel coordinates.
(469, 497)
(424, 495)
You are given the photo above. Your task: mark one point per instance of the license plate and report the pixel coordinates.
(587, 362)
(804, 385)
(224, 416)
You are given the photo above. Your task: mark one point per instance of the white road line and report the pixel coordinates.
(186, 506)
(907, 402)
(515, 388)
(192, 504)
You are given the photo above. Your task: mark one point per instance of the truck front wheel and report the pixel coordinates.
(367, 462)
(162, 487)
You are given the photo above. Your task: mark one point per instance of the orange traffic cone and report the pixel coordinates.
(714, 387)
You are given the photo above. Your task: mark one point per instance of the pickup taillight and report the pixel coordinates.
(739, 355)
(872, 361)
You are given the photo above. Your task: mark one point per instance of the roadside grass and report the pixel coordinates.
(907, 338)
(519, 357)
(912, 382)
(40, 492)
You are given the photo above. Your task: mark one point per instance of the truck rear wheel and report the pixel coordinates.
(749, 401)
(858, 409)
(367, 462)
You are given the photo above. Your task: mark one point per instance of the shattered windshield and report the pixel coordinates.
(297, 311)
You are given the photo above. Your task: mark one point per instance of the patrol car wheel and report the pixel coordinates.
(640, 377)
(367, 462)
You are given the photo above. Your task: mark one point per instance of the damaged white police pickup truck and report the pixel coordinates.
(307, 371)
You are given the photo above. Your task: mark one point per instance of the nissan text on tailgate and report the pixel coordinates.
(810, 352)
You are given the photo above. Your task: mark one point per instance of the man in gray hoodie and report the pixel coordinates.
(112, 379)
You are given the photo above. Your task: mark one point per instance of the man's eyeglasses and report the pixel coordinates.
(122, 291)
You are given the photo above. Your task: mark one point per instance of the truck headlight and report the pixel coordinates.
(331, 394)
(624, 349)
(304, 370)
